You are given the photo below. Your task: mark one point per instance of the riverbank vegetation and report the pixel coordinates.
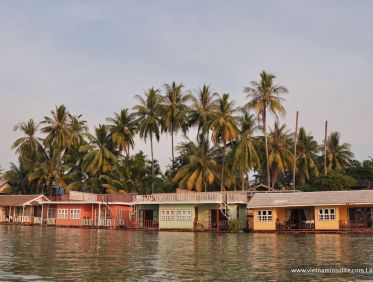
(226, 147)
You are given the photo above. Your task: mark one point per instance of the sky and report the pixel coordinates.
(94, 56)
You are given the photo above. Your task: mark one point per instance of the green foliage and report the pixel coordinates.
(333, 181)
(360, 171)
(60, 152)
(235, 225)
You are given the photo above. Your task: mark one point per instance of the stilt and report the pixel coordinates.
(99, 215)
(41, 215)
(23, 213)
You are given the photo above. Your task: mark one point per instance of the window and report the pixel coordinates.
(327, 214)
(167, 215)
(184, 215)
(62, 214)
(74, 214)
(264, 215)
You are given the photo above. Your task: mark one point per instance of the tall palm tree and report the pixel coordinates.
(245, 156)
(266, 96)
(338, 155)
(58, 129)
(307, 149)
(201, 169)
(30, 143)
(122, 128)
(174, 110)
(280, 156)
(98, 158)
(79, 129)
(201, 112)
(148, 119)
(224, 127)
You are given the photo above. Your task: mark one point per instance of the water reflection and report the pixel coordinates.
(35, 253)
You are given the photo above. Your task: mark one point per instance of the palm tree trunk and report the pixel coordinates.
(266, 144)
(222, 170)
(151, 149)
(172, 144)
(274, 178)
(242, 180)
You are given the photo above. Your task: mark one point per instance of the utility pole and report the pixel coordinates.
(325, 145)
(295, 148)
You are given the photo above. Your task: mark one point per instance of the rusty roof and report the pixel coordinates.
(18, 200)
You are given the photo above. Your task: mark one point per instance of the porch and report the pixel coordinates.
(297, 219)
(358, 218)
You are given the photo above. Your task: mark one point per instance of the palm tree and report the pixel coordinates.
(174, 110)
(202, 111)
(30, 144)
(148, 119)
(224, 127)
(48, 170)
(245, 157)
(307, 149)
(79, 129)
(17, 178)
(201, 169)
(338, 155)
(58, 129)
(122, 128)
(98, 158)
(265, 95)
(118, 180)
(280, 156)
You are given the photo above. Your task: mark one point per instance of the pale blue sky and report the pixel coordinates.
(94, 56)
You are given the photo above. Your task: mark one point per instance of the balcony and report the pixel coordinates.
(201, 197)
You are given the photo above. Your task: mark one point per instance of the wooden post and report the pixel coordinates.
(295, 148)
(23, 213)
(99, 215)
(42, 214)
(325, 145)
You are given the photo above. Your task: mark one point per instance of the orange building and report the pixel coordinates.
(313, 211)
(85, 209)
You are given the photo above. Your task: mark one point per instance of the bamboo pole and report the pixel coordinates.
(325, 145)
(295, 148)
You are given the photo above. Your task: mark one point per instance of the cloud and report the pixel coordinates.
(95, 57)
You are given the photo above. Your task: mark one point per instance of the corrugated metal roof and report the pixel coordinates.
(17, 200)
(261, 200)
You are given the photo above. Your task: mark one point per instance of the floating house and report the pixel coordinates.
(312, 211)
(25, 209)
(211, 211)
(86, 209)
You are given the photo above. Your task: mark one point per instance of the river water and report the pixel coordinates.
(49, 254)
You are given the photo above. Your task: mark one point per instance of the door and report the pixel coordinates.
(214, 219)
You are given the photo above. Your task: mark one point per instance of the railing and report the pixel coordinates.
(149, 224)
(37, 220)
(87, 222)
(306, 224)
(215, 197)
(106, 222)
(81, 196)
(51, 221)
(222, 225)
(348, 224)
